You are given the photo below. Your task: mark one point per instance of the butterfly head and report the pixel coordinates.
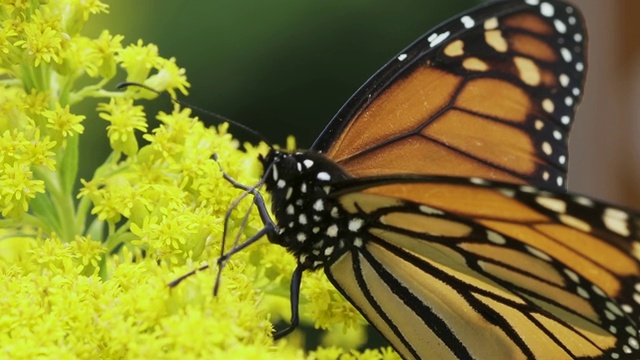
(309, 218)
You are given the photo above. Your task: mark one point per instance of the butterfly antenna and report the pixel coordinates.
(222, 118)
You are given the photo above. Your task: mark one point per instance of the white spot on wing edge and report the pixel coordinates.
(560, 26)
(616, 221)
(546, 9)
(553, 204)
(467, 21)
(564, 80)
(438, 38)
(402, 57)
(566, 54)
(557, 135)
(584, 201)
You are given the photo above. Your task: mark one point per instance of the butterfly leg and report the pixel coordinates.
(296, 279)
(177, 281)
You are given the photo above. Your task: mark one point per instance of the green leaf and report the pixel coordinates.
(42, 207)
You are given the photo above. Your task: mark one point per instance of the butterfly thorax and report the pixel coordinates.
(311, 223)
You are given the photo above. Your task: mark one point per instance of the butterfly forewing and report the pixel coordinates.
(489, 94)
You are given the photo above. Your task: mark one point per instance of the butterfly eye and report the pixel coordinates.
(287, 168)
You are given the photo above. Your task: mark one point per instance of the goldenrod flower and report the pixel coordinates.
(139, 60)
(124, 118)
(107, 45)
(17, 188)
(100, 258)
(63, 123)
(42, 39)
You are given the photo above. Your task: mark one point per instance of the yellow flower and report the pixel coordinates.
(42, 39)
(38, 151)
(88, 253)
(107, 45)
(124, 118)
(17, 187)
(78, 12)
(7, 32)
(138, 60)
(16, 6)
(169, 77)
(63, 123)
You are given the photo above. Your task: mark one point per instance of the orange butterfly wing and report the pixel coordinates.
(491, 270)
(488, 96)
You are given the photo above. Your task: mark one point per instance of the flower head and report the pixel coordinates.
(63, 123)
(42, 39)
(124, 118)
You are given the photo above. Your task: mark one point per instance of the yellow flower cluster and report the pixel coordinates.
(85, 272)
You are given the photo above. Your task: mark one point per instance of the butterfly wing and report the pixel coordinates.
(477, 264)
(455, 268)
(489, 94)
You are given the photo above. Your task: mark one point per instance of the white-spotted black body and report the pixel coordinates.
(311, 224)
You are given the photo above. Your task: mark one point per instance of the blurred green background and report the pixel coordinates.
(280, 67)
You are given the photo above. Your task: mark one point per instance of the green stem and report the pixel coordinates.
(44, 72)
(82, 212)
(62, 202)
(27, 219)
(118, 237)
(90, 91)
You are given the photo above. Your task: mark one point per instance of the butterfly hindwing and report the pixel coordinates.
(488, 94)
(475, 283)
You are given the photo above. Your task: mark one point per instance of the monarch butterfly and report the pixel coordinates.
(436, 203)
